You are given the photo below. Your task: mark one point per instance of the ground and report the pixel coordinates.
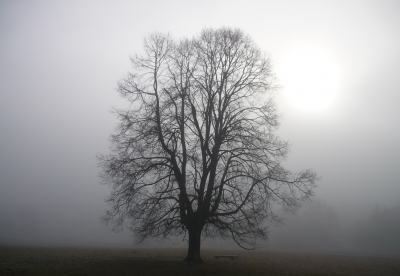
(102, 261)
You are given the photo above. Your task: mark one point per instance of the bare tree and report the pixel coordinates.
(196, 153)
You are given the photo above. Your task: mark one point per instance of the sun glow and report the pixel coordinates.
(310, 79)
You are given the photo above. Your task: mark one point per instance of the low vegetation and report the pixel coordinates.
(90, 261)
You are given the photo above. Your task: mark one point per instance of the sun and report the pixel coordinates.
(310, 78)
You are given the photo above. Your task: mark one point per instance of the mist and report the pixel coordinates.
(60, 63)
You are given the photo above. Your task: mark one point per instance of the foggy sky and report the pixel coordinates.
(60, 62)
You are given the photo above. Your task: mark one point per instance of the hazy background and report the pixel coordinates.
(59, 65)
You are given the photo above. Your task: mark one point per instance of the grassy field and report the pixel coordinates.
(81, 261)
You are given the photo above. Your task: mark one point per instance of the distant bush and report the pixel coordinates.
(380, 232)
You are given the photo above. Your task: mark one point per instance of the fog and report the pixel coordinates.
(60, 63)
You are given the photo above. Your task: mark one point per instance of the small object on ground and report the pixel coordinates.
(232, 257)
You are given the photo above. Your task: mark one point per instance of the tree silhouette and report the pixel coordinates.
(196, 154)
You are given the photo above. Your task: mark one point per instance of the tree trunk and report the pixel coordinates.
(193, 254)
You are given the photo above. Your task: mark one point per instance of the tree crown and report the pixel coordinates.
(197, 149)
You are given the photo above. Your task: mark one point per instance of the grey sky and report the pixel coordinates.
(60, 61)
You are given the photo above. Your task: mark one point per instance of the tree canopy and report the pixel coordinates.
(196, 153)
